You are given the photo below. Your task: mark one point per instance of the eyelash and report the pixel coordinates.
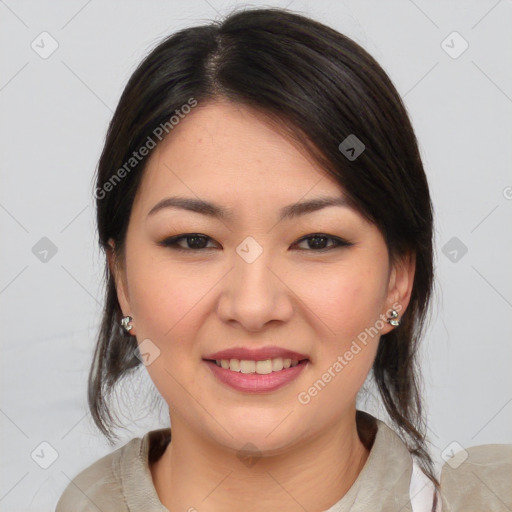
(171, 242)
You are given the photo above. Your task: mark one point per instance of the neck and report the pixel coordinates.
(195, 474)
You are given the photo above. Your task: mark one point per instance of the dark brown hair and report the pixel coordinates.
(321, 86)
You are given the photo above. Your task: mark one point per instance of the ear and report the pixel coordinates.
(119, 274)
(400, 286)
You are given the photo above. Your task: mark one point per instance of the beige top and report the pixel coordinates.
(121, 481)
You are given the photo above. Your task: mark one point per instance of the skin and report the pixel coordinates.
(191, 304)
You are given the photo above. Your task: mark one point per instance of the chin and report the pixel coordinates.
(261, 436)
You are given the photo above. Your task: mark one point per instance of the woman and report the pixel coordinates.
(268, 230)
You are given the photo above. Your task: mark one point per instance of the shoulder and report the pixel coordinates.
(99, 486)
(389, 479)
(478, 478)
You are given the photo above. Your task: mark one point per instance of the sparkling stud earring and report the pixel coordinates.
(393, 318)
(125, 321)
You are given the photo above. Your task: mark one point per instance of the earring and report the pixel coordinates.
(393, 319)
(125, 323)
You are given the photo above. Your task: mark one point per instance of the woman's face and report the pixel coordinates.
(252, 280)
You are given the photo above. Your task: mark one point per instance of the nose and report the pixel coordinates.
(254, 294)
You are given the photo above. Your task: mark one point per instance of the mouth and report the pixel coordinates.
(259, 367)
(256, 376)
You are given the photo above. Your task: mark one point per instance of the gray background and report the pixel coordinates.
(54, 117)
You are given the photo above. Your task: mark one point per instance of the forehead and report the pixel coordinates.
(228, 153)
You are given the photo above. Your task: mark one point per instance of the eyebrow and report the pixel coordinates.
(216, 211)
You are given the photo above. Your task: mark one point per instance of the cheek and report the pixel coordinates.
(346, 298)
(166, 303)
(166, 299)
(347, 302)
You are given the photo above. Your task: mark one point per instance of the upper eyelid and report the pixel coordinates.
(189, 235)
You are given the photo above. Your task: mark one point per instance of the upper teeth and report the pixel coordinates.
(260, 367)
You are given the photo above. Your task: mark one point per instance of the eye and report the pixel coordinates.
(318, 242)
(195, 242)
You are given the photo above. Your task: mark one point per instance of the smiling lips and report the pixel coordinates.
(262, 361)
(255, 354)
(264, 367)
(256, 370)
